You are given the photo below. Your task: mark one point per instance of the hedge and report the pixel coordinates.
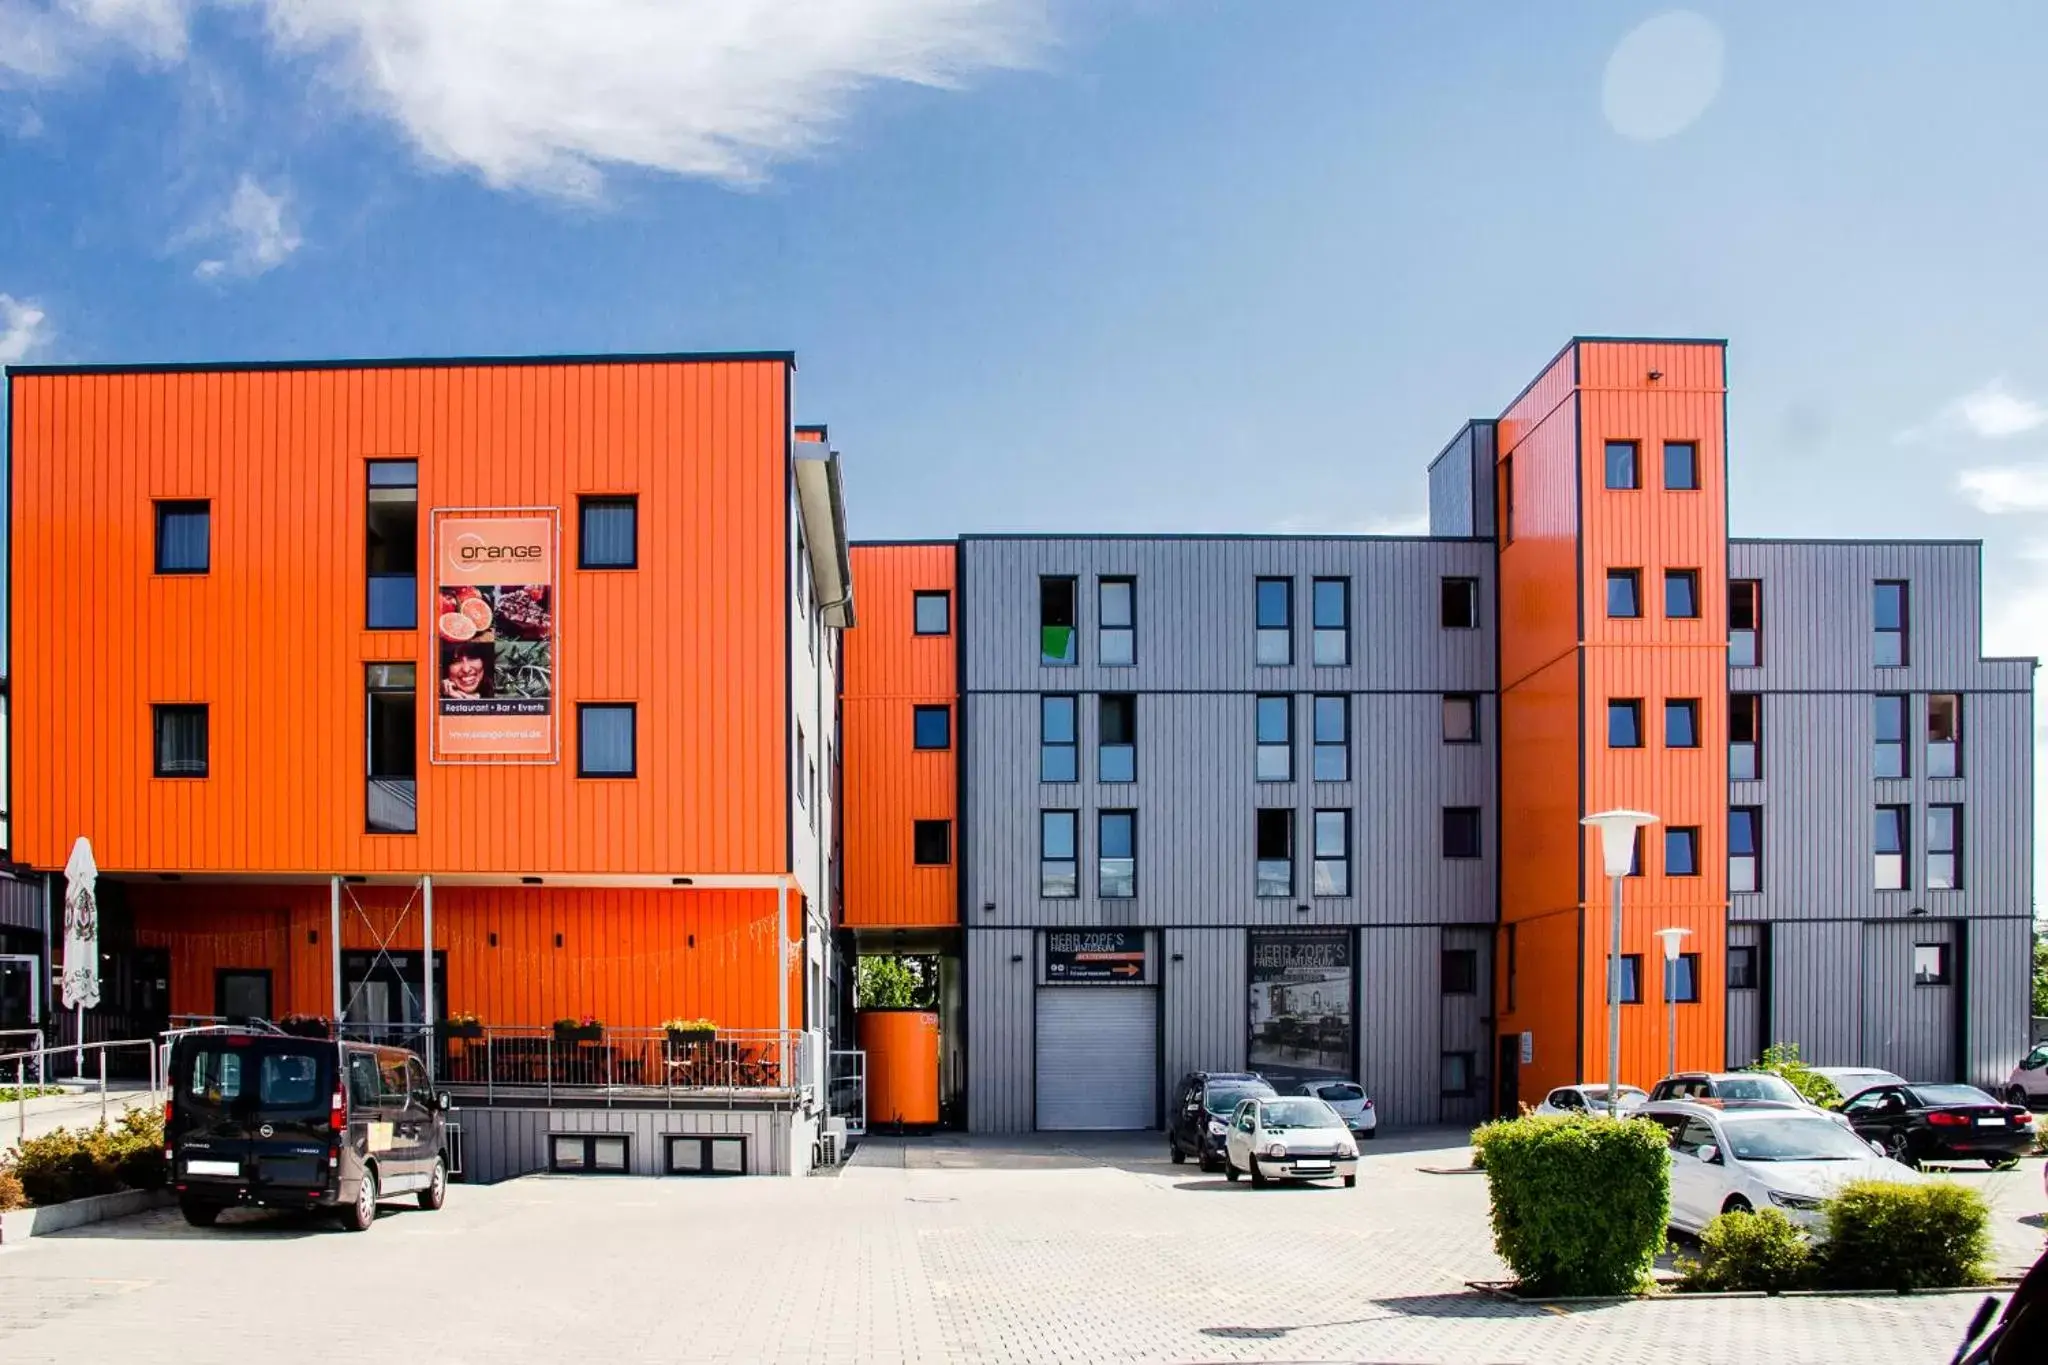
(1579, 1201)
(1748, 1252)
(1885, 1235)
(67, 1164)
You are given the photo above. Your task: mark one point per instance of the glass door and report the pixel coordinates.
(20, 996)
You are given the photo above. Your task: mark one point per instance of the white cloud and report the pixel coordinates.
(42, 41)
(257, 229)
(1400, 524)
(2002, 489)
(1994, 413)
(1662, 76)
(21, 328)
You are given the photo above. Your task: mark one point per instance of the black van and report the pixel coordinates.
(284, 1122)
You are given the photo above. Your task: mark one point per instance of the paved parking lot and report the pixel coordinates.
(951, 1250)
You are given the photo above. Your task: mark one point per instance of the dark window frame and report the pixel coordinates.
(590, 1141)
(632, 710)
(1104, 628)
(1952, 765)
(1507, 501)
(918, 830)
(1465, 588)
(1899, 706)
(372, 576)
(1753, 817)
(1468, 1063)
(1690, 579)
(1464, 980)
(1689, 836)
(1746, 978)
(587, 503)
(1689, 708)
(1261, 745)
(1102, 855)
(1103, 704)
(1692, 466)
(1072, 627)
(1317, 858)
(1901, 817)
(1460, 814)
(1691, 975)
(165, 508)
(1632, 579)
(1953, 852)
(1943, 974)
(917, 600)
(1071, 745)
(1071, 861)
(1317, 630)
(1470, 700)
(1262, 629)
(1631, 979)
(1749, 708)
(918, 715)
(371, 773)
(1318, 746)
(1903, 630)
(1631, 707)
(1293, 841)
(1633, 450)
(160, 713)
(1751, 589)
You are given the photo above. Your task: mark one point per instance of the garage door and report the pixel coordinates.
(1098, 1057)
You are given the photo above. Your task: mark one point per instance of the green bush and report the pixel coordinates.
(1750, 1251)
(1883, 1235)
(66, 1164)
(1782, 1059)
(1579, 1201)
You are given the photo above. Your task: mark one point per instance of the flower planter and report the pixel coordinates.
(682, 1036)
(469, 1032)
(593, 1034)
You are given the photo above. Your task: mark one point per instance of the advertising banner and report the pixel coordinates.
(495, 634)
(1301, 1004)
(1101, 957)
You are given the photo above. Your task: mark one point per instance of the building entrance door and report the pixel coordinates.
(1510, 1075)
(20, 992)
(386, 995)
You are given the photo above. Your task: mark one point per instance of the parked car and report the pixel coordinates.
(1852, 1080)
(1748, 1155)
(1763, 1086)
(1918, 1123)
(1591, 1096)
(1201, 1115)
(258, 1118)
(1289, 1137)
(1350, 1101)
(2028, 1084)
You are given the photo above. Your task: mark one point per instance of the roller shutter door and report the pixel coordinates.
(1098, 1058)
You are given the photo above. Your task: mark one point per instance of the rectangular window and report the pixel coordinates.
(1625, 724)
(1056, 622)
(1059, 754)
(1930, 964)
(1889, 640)
(1330, 617)
(1682, 979)
(1116, 834)
(1461, 718)
(1944, 847)
(1681, 465)
(606, 741)
(184, 532)
(1461, 603)
(932, 842)
(609, 535)
(1275, 621)
(1682, 594)
(1635, 855)
(1461, 831)
(1631, 978)
(1891, 848)
(1682, 724)
(1507, 500)
(1116, 625)
(1332, 872)
(1457, 1080)
(181, 741)
(1624, 593)
(1514, 964)
(392, 534)
(803, 788)
(392, 792)
(1621, 465)
(932, 727)
(1745, 849)
(1682, 851)
(1944, 735)
(1059, 865)
(1459, 970)
(932, 613)
(1116, 760)
(583, 1152)
(1273, 736)
(1745, 624)
(1745, 737)
(1890, 719)
(1333, 739)
(1742, 968)
(1274, 850)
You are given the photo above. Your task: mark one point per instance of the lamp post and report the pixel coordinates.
(1617, 852)
(1671, 938)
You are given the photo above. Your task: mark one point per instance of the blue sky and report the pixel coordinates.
(1124, 264)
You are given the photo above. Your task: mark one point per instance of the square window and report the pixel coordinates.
(610, 537)
(1681, 724)
(1274, 615)
(181, 741)
(1460, 971)
(1682, 979)
(933, 726)
(1461, 831)
(1682, 852)
(1681, 465)
(1461, 604)
(1056, 622)
(184, 537)
(1621, 464)
(932, 613)
(1461, 718)
(1624, 593)
(1624, 725)
(1742, 968)
(1457, 1075)
(606, 739)
(1682, 594)
(1930, 964)
(932, 842)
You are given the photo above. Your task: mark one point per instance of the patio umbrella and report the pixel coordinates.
(81, 939)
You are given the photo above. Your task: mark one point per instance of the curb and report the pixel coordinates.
(19, 1225)
(1503, 1290)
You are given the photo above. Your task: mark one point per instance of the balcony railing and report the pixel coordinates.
(619, 1063)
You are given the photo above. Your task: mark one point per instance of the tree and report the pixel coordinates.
(896, 983)
(2041, 975)
(1783, 1059)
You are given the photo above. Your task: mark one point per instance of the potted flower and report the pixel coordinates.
(466, 1026)
(584, 1030)
(305, 1026)
(690, 1030)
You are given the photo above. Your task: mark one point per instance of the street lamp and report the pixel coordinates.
(1618, 852)
(1671, 939)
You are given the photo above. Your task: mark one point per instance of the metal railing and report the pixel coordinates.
(617, 1063)
(89, 1063)
(847, 1095)
(34, 1038)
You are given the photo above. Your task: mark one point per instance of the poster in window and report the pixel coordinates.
(495, 635)
(1301, 1004)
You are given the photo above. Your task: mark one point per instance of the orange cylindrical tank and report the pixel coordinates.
(902, 1049)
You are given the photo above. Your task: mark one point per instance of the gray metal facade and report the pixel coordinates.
(1836, 953)
(1196, 681)
(1461, 483)
(501, 1143)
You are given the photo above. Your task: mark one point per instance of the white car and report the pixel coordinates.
(1732, 1156)
(1591, 1097)
(1350, 1101)
(1854, 1080)
(1289, 1137)
(2028, 1084)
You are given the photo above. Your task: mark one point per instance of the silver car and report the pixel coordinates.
(1590, 1097)
(1350, 1101)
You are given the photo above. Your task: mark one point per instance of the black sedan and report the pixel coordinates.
(1915, 1123)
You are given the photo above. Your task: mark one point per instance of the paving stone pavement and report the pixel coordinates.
(950, 1250)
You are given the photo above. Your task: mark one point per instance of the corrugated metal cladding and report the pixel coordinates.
(1466, 1026)
(1747, 1025)
(695, 636)
(500, 1143)
(22, 904)
(1909, 1026)
(1996, 960)
(1461, 482)
(1002, 976)
(1201, 968)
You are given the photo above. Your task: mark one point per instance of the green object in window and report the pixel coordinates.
(1056, 642)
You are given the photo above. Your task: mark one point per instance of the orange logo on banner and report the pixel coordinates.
(495, 633)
